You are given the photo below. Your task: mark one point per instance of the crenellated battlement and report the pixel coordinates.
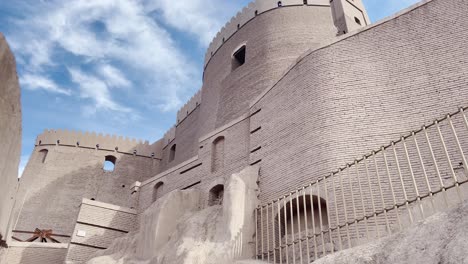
(254, 9)
(189, 107)
(96, 141)
(169, 136)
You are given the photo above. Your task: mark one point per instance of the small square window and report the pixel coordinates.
(238, 58)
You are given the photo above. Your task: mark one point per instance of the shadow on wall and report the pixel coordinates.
(49, 199)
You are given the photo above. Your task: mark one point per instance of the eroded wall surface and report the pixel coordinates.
(10, 132)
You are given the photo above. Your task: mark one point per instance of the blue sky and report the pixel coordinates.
(115, 66)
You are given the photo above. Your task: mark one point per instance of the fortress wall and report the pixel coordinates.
(189, 107)
(248, 13)
(98, 225)
(177, 177)
(32, 253)
(348, 98)
(169, 136)
(273, 41)
(199, 168)
(10, 133)
(185, 136)
(91, 140)
(51, 192)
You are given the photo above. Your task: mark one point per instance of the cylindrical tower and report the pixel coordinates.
(254, 50)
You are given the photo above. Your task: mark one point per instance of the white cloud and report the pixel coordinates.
(96, 89)
(113, 76)
(38, 82)
(110, 37)
(202, 18)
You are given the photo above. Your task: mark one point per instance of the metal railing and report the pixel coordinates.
(372, 197)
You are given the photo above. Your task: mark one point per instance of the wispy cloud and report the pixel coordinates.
(96, 89)
(109, 37)
(201, 18)
(41, 82)
(113, 76)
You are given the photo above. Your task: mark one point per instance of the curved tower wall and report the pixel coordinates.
(10, 133)
(273, 40)
(274, 37)
(356, 94)
(53, 186)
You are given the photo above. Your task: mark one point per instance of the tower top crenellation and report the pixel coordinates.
(249, 12)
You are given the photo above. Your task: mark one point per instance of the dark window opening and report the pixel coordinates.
(109, 163)
(305, 2)
(238, 26)
(157, 191)
(216, 195)
(280, 4)
(43, 155)
(217, 154)
(238, 58)
(172, 153)
(256, 12)
(357, 20)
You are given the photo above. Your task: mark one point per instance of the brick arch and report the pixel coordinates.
(313, 209)
(43, 155)
(217, 154)
(157, 190)
(216, 195)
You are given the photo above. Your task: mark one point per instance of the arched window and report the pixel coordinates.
(43, 155)
(314, 208)
(157, 190)
(109, 163)
(280, 4)
(172, 153)
(217, 154)
(216, 195)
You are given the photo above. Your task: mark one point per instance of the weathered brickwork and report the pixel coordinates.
(97, 226)
(33, 253)
(304, 103)
(352, 96)
(51, 192)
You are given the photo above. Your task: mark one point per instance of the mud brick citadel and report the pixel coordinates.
(346, 132)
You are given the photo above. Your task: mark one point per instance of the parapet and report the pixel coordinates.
(97, 141)
(189, 107)
(249, 12)
(169, 136)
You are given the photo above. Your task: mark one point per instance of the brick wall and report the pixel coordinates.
(51, 192)
(345, 99)
(33, 253)
(97, 226)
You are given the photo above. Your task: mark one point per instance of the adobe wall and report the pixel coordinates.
(226, 94)
(50, 193)
(35, 252)
(10, 133)
(358, 93)
(197, 169)
(273, 40)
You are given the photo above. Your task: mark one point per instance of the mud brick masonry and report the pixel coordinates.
(299, 87)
